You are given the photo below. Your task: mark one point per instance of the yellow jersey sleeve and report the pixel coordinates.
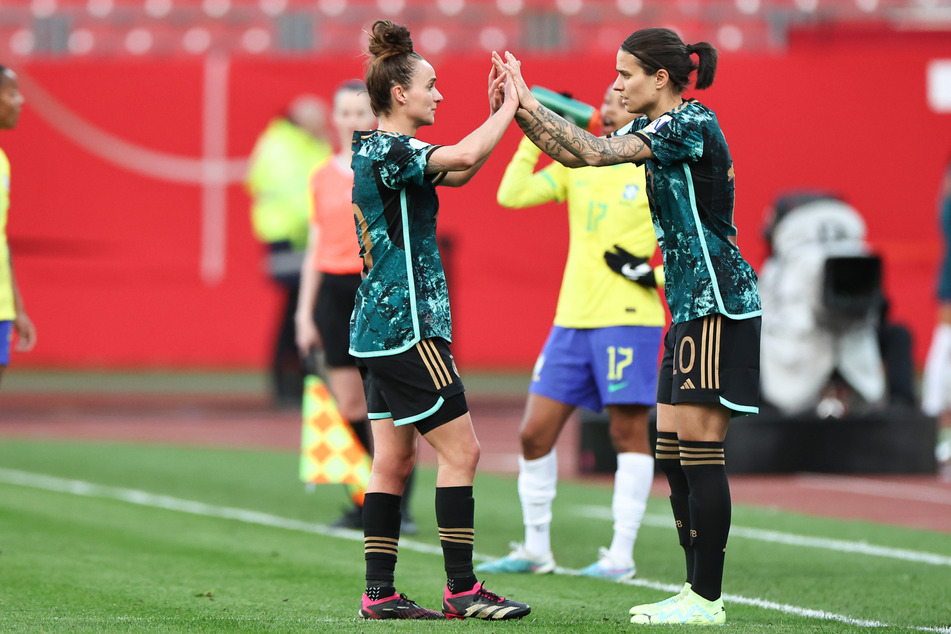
(7, 310)
(522, 186)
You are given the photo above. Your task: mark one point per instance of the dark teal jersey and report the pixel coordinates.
(403, 297)
(691, 194)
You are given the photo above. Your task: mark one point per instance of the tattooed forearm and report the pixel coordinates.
(540, 137)
(556, 137)
(560, 131)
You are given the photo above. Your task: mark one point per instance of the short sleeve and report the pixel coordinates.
(673, 140)
(405, 162)
(630, 127)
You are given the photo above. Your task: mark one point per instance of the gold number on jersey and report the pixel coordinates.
(687, 367)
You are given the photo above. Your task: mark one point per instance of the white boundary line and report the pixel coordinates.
(152, 500)
(791, 539)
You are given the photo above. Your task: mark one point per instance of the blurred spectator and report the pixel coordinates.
(822, 302)
(13, 316)
(936, 381)
(281, 163)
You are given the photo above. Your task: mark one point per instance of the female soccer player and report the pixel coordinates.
(710, 368)
(400, 330)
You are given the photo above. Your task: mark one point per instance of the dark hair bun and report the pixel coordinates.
(389, 39)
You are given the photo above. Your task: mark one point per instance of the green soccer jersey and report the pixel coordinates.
(690, 190)
(403, 297)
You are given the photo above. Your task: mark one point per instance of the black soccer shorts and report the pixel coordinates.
(420, 386)
(713, 359)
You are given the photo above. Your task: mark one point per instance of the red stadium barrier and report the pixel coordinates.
(123, 262)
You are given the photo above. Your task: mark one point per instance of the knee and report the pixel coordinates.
(394, 465)
(471, 456)
(628, 431)
(628, 440)
(465, 458)
(535, 443)
(533, 448)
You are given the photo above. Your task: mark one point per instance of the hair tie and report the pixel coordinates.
(690, 49)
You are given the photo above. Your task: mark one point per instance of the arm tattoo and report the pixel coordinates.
(540, 136)
(433, 167)
(552, 134)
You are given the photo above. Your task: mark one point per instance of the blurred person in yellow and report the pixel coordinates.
(330, 276)
(284, 156)
(603, 348)
(13, 316)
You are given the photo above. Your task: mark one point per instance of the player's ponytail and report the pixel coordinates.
(707, 68)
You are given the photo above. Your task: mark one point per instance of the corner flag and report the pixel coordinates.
(330, 451)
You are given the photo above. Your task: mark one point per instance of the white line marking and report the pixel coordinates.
(786, 608)
(791, 539)
(152, 500)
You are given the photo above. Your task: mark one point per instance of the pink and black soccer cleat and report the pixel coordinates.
(395, 607)
(479, 603)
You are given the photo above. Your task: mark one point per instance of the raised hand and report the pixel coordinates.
(511, 92)
(496, 91)
(513, 68)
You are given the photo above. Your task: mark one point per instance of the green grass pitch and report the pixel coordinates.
(98, 537)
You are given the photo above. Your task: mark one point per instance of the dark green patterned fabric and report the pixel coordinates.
(691, 193)
(403, 297)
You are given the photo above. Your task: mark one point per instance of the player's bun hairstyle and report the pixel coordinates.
(392, 63)
(658, 48)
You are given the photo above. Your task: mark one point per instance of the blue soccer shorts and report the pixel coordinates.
(6, 335)
(594, 367)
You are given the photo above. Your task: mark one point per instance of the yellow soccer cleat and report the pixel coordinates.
(690, 610)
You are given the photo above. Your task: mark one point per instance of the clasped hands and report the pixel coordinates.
(506, 82)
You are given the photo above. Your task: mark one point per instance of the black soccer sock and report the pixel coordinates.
(710, 510)
(381, 534)
(667, 456)
(455, 515)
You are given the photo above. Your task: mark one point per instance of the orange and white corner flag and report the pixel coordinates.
(330, 452)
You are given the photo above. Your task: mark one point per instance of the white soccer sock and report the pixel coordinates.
(632, 485)
(537, 480)
(936, 379)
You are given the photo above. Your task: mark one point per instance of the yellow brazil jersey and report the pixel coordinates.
(7, 312)
(606, 206)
